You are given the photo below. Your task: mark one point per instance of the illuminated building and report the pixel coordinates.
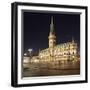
(60, 53)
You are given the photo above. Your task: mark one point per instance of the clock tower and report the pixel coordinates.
(52, 37)
(52, 40)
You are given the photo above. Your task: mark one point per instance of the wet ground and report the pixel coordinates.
(36, 69)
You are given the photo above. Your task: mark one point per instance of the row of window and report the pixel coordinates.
(59, 50)
(59, 53)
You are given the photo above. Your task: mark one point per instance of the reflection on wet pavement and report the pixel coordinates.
(41, 69)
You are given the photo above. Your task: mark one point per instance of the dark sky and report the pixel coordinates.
(37, 28)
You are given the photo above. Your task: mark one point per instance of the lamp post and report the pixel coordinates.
(30, 50)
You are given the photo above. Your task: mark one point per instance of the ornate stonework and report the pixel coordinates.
(60, 53)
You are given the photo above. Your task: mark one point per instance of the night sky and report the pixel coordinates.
(37, 27)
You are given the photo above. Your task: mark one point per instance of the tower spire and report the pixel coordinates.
(52, 26)
(52, 37)
(72, 39)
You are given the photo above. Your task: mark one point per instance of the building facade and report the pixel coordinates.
(60, 53)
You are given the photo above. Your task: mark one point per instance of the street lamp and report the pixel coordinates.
(30, 50)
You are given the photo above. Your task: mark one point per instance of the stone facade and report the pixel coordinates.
(57, 53)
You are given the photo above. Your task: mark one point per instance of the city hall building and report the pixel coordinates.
(60, 53)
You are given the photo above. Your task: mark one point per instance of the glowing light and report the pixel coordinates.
(30, 50)
(25, 54)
